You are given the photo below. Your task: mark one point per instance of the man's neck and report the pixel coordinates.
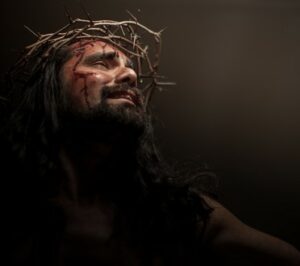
(94, 169)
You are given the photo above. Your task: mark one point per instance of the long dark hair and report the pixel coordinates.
(169, 206)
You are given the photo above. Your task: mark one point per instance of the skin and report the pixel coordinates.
(93, 66)
(237, 244)
(92, 218)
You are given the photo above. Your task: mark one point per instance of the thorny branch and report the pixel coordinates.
(129, 41)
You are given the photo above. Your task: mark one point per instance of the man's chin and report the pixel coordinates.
(125, 116)
(106, 119)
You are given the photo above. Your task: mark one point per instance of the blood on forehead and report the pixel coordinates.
(89, 46)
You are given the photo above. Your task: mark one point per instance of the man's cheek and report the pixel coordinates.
(93, 89)
(102, 79)
(74, 92)
(77, 86)
(85, 87)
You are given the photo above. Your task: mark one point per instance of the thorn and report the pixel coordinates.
(131, 15)
(68, 15)
(115, 31)
(166, 83)
(134, 41)
(3, 99)
(122, 30)
(162, 30)
(31, 31)
(145, 49)
(87, 14)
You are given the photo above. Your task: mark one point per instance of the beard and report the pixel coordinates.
(104, 121)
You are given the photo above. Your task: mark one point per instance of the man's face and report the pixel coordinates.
(98, 73)
(99, 90)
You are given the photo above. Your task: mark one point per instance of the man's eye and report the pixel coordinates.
(100, 63)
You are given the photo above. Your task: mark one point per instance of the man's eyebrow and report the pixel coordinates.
(100, 56)
(106, 56)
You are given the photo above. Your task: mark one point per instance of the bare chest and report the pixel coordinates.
(94, 235)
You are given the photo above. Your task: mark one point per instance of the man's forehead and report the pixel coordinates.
(94, 46)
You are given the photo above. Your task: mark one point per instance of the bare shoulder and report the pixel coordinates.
(239, 244)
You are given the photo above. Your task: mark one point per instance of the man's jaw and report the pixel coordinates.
(121, 109)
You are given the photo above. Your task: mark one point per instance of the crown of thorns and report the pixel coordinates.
(124, 35)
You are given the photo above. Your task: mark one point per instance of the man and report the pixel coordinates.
(86, 183)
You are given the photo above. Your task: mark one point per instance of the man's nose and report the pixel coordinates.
(126, 75)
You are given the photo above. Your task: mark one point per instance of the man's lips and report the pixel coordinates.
(128, 95)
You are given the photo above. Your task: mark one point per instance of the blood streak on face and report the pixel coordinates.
(93, 66)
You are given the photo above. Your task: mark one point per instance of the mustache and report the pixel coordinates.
(107, 91)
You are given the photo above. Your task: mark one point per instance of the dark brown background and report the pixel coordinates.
(236, 103)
